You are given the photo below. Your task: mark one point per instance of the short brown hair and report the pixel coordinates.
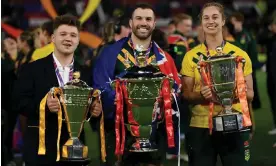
(180, 17)
(238, 16)
(143, 6)
(215, 4)
(66, 19)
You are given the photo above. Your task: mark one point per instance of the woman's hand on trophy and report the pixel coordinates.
(206, 93)
(96, 108)
(52, 103)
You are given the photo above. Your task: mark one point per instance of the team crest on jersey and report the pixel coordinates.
(243, 39)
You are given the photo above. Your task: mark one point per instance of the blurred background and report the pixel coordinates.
(19, 16)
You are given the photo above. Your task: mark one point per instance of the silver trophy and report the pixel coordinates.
(221, 70)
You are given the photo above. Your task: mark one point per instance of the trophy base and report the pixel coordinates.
(74, 150)
(144, 146)
(228, 123)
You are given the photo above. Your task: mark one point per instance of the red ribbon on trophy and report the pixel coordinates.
(119, 121)
(134, 126)
(207, 81)
(166, 94)
(241, 92)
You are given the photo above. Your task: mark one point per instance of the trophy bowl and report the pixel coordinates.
(222, 71)
(143, 86)
(77, 98)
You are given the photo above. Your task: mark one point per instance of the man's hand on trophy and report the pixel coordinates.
(52, 103)
(96, 108)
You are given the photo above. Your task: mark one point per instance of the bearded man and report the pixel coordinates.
(113, 61)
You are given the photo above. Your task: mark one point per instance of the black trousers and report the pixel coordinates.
(10, 122)
(233, 148)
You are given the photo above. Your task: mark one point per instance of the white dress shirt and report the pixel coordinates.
(63, 71)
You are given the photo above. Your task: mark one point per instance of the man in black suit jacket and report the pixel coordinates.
(34, 83)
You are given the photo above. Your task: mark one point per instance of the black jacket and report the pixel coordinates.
(34, 82)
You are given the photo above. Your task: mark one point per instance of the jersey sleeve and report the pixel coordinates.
(248, 64)
(187, 68)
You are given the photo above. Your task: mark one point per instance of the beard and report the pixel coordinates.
(141, 35)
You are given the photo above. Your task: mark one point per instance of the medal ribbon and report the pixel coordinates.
(135, 51)
(59, 76)
(207, 49)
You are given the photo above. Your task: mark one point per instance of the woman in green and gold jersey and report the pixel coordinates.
(233, 148)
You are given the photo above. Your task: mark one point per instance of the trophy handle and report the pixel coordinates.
(94, 95)
(89, 103)
(204, 73)
(240, 59)
(54, 91)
